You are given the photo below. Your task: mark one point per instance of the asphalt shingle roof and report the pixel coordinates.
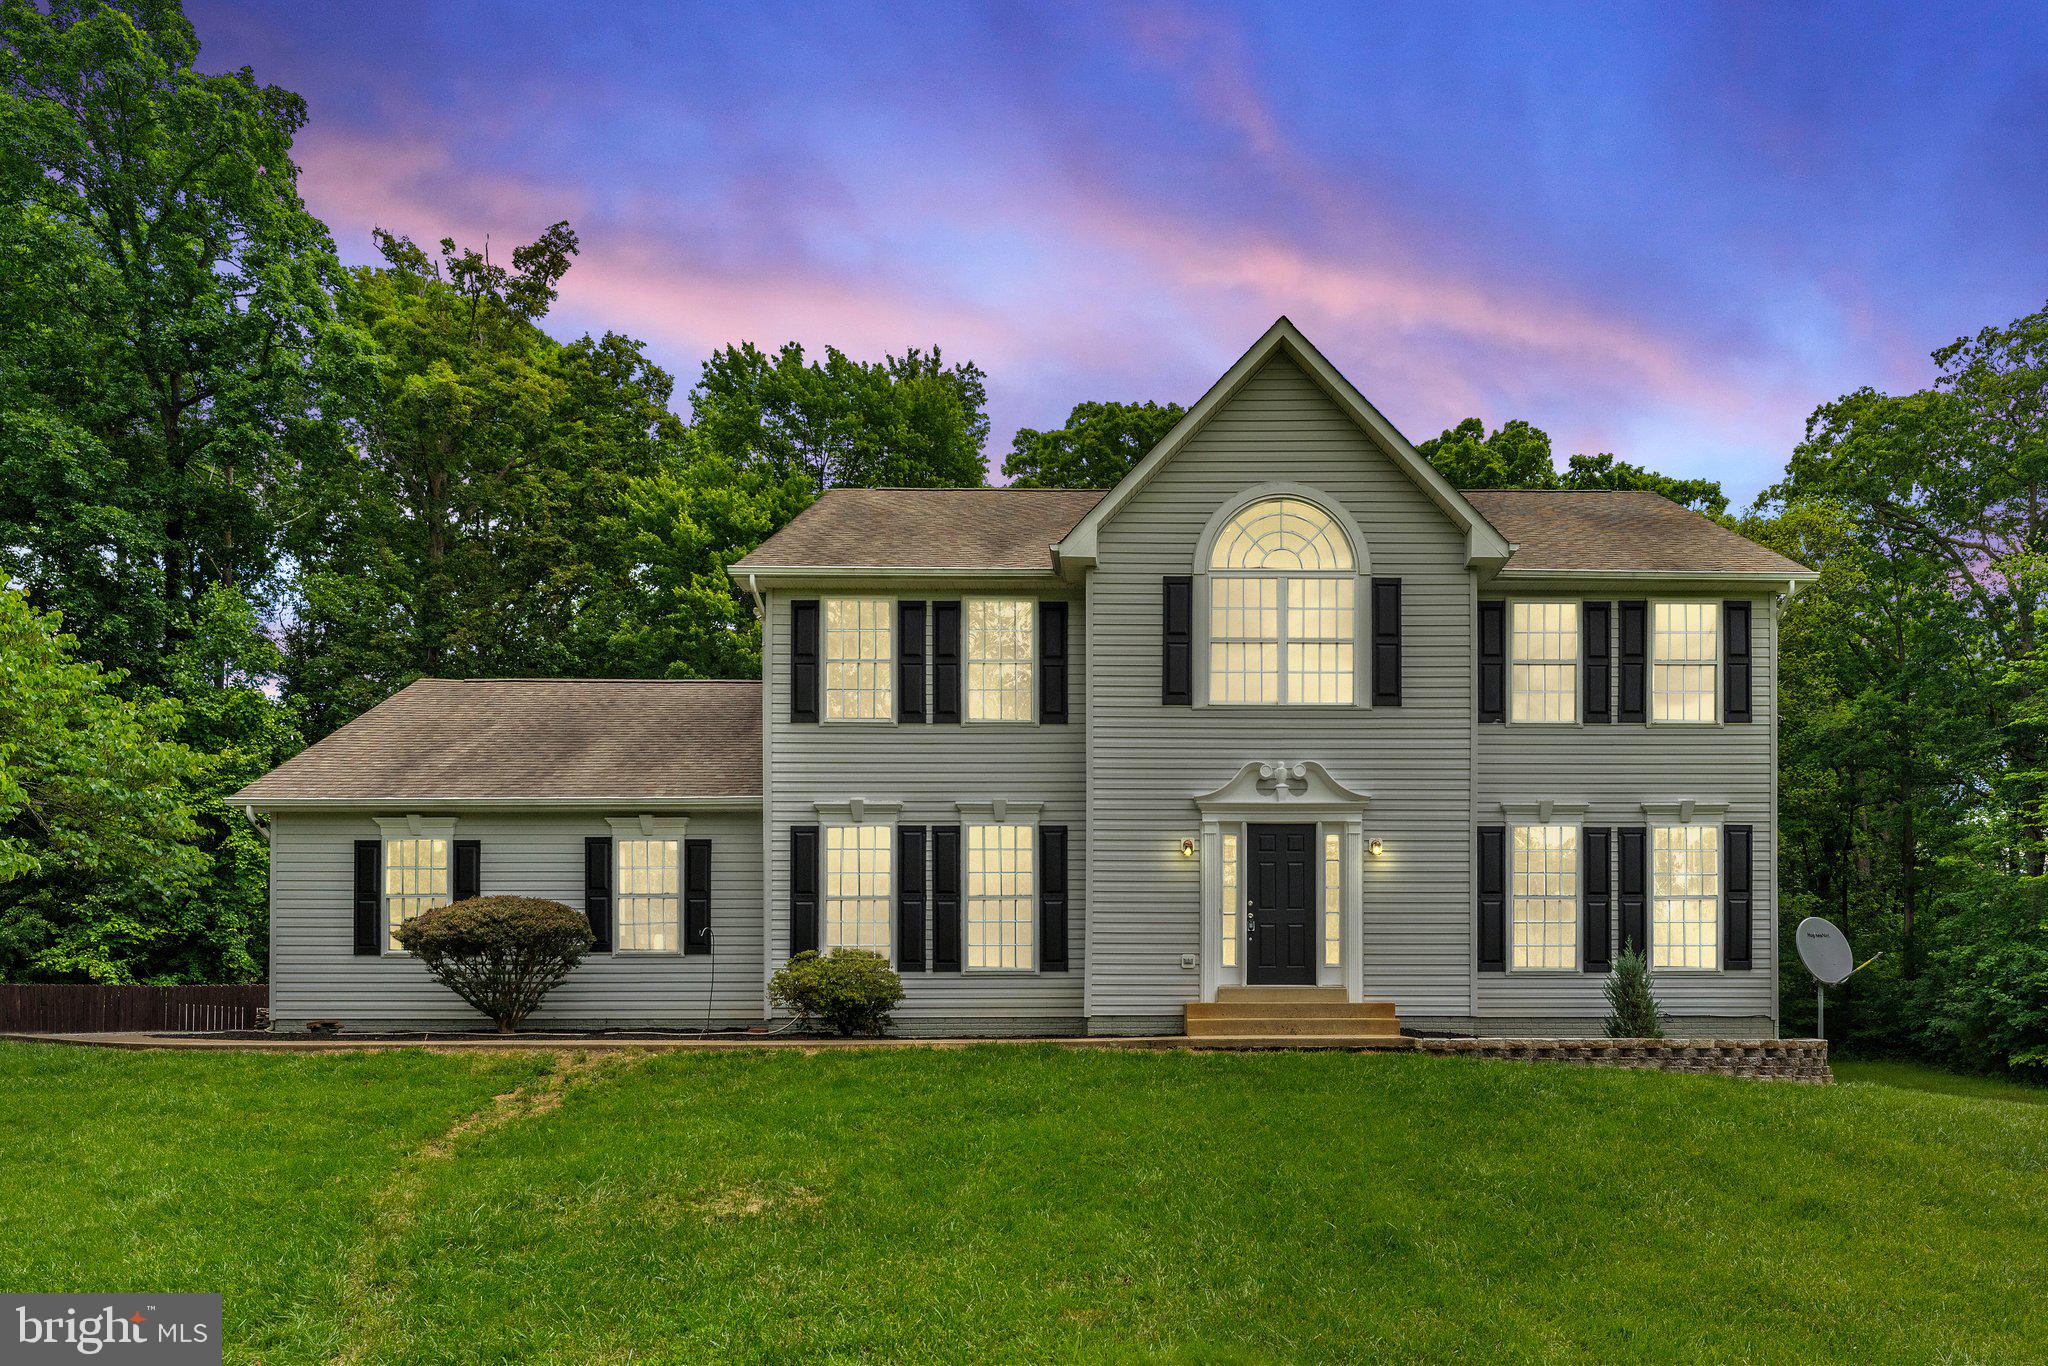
(1619, 530)
(964, 529)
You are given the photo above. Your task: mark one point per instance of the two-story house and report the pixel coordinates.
(1281, 709)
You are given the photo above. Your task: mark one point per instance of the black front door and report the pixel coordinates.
(1280, 898)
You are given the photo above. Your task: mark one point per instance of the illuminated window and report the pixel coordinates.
(1282, 616)
(1002, 919)
(859, 660)
(1229, 907)
(1685, 641)
(649, 905)
(858, 887)
(1685, 896)
(1544, 648)
(999, 655)
(415, 880)
(1333, 898)
(1544, 896)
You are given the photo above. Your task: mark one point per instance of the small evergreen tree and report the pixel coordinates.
(1632, 1008)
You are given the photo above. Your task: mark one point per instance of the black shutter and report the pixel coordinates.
(1177, 640)
(1596, 872)
(1493, 898)
(1635, 661)
(803, 660)
(910, 898)
(910, 661)
(1738, 896)
(1052, 898)
(1052, 663)
(469, 869)
(369, 900)
(1596, 645)
(696, 896)
(1386, 642)
(945, 898)
(1493, 661)
(597, 890)
(1735, 673)
(803, 888)
(1635, 880)
(946, 661)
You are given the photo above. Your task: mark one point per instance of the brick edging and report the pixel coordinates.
(1764, 1059)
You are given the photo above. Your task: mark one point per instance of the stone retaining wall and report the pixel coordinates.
(1771, 1059)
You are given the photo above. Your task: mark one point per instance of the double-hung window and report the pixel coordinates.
(1685, 896)
(1000, 649)
(1543, 644)
(1543, 886)
(859, 659)
(415, 881)
(859, 884)
(1002, 917)
(1685, 650)
(1282, 607)
(649, 896)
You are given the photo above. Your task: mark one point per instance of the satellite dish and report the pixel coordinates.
(1825, 951)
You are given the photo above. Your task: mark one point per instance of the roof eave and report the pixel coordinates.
(1789, 580)
(768, 577)
(399, 802)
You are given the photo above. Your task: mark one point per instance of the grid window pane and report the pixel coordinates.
(1282, 533)
(1244, 639)
(1685, 642)
(1685, 896)
(1000, 649)
(415, 880)
(858, 887)
(648, 900)
(1286, 635)
(1543, 891)
(860, 682)
(1002, 919)
(1333, 898)
(1319, 618)
(1229, 907)
(1543, 648)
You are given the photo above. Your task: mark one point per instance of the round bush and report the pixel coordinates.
(851, 991)
(502, 954)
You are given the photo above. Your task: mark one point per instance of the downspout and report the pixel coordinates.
(249, 815)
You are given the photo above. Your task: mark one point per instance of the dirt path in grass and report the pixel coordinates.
(369, 1288)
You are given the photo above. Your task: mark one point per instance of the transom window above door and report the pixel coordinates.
(1282, 607)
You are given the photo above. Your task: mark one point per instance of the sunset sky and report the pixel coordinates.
(1669, 235)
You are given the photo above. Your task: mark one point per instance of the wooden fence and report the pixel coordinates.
(89, 1008)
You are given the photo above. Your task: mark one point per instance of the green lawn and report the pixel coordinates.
(1024, 1202)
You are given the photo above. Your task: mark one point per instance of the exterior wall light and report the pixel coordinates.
(1187, 848)
(1375, 848)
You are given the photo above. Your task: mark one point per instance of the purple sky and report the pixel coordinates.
(1669, 236)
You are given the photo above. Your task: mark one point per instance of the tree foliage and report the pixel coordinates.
(1518, 456)
(1097, 446)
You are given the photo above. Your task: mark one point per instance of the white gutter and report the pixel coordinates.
(397, 802)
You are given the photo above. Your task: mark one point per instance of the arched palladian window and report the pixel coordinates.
(1283, 583)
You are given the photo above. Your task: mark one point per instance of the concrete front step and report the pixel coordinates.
(1331, 1010)
(1297, 1042)
(1293, 1026)
(1295, 995)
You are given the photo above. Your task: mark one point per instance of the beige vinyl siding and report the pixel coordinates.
(1614, 769)
(314, 975)
(1149, 759)
(929, 769)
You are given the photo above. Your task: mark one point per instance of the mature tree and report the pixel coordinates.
(1097, 447)
(1603, 471)
(473, 521)
(97, 831)
(908, 421)
(1517, 456)
(166, 327)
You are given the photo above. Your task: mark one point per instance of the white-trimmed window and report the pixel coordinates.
(1543, 653)
(1543, 900)
(1685, 896)
(1333, 898)
(1282, 607)
(859, 887)
(649, 895)
(1002, 891)
(1001, 645)
(1685, 652)
(1229, 907)
(415, 880)
(860, 655)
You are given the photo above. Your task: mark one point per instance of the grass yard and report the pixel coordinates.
(1024, 1202)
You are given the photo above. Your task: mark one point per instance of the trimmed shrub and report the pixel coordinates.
(1631, 1008)
(850, 991)
(502, 954)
